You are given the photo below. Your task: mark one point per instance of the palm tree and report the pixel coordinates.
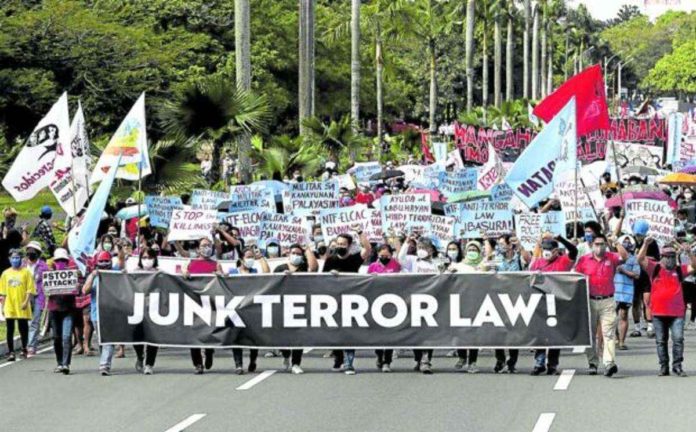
(355, 63)
(335, 137)
(543, 4)
(213, 110)
(306, 61)
(509, 49)
(470, 11)
(525, 50)
(242, 42)
(283, 156)
(485, 13)
(535, 52)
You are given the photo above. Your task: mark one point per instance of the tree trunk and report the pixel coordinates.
(525, 51)
(535, 55)
(484, 69)
(497, 62)
(306, 61)
(355, 64)
(470, 11)
(549, 69)
(509, 54)
(242, 42)
(379, 65)
(542, 72)
(433, 86)
(582, 54)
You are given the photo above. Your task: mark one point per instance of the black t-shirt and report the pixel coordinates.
(302, 268)
(350, 264)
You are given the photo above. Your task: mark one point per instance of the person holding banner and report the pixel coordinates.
(147, 263)
(626, 274)
(342, 261)
(61, 309)
(17, 291)
(230, 244)
(37, 266)
(385, 264)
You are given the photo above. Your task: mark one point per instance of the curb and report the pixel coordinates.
(3, 344)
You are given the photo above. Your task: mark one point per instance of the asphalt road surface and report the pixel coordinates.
(173, 399)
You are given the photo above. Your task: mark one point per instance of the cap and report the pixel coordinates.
(46, 210)
(61, 254)
(641, 227)
(35, 245)
(103, 256)
(549, 244)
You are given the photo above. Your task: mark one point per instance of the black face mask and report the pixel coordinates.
(321, 250)
(32, 255)
(341, 251)
(384, 260)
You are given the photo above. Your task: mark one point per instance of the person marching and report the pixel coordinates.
(17, 291)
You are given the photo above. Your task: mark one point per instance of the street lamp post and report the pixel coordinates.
(618, 79)
(606, 65)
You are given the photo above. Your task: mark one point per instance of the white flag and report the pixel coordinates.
(130, 143)
(492, 173)
(79, 143)
(506, 126)
(33, 168)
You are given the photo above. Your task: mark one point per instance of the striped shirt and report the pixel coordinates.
(623, 283)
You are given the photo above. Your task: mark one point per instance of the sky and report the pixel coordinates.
(607, 9)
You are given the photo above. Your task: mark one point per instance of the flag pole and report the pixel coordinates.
(74, 188)
(618, 173)
(575, 225)
(140, 192)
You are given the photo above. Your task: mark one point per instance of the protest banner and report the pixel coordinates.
(635, 154)
(588, 196)
(161, 208)
(312, 197)
(458, 181)
(687, 149)
(501, 192)
(374, 232)
(530, 226)
(342, 220)
(61, 282)
(658, 214)
(207, 199)
(248, 223)
(441, 231)
(191, 224)
(177, 265)
(405, 212)
(362, 171)
(345, 181)
(245, 198)
(517, 310)
(284, 228)
(484, 218)
(412, 173)
(492, 172)
(473, 142)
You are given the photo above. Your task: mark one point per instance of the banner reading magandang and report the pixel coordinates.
(521, 310)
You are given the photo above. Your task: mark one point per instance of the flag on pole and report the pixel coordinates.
(82, 237)
(33, 168)
(553, 151)
(82, 158)
(426, 149)
(492, 172)
(129, 145)
(591, 102)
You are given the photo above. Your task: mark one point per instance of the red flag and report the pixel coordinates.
(588, 89)
(426, 148)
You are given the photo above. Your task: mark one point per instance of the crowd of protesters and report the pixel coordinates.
(630, 278)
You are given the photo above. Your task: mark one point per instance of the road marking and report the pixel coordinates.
(579, 350)
(186, 423)
(257, 379)
(544, 422)
(307, 350)
(41, 351)
(564, 380)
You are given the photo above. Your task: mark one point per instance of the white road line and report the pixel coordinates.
(564, 380)
(186, 423)
(257, 379)
(41, 351)
(307, 350)
(9, 363)
(579, 350)
(544, 422)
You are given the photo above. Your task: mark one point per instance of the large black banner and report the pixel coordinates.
(480, 310)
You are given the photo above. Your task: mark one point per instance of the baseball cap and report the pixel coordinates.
(549, 244)
(103, 256)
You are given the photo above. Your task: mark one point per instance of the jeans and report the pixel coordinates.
(296, 355)
(339, 356)
(540, 358)
(384, 356)
(663, 327)
(35, 325)
(148, 355)
(418, 355)
(62, 327)
(237, 353)
(604, 313)
(107, 351)
(472, 354)
(512, 361)
(23, 325)
(197, 356)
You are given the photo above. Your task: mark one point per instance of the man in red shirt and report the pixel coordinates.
(600, 267)
(666, 301)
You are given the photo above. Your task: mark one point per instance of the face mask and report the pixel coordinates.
(318, 239)
(15, 262)
(107, 247)
(296, 259)
(422, 253)
(60, 265)
(669, 262)
(589, 238)
(384, 260)
(249, 262)
(148, 264)
(341, 251)
(452, 254)
(629, 247)
(599, 250)
(472, 255)
(321, 250)
(547, 254)
(113, 233)
(207, 251)
(32, 255)
(272, 250)
(104, 265)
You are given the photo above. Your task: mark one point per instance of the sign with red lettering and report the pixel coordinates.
(191, 224)
(658, 214)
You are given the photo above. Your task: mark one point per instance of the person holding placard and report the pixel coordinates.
(61, 309)
(37, 266)
(147, 263)
(17, 290)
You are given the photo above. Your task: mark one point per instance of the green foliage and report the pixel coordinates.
(336, 137)
(675, 72)
(514, 112)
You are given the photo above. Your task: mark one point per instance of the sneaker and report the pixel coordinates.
(252, 367)
(209, 361)
(350, 370)
(271, 354)
(499, 366)
(664, 371)
(239, 370)
(379, 364)
(11, 357)
(286, 363)
(66, 370)
(611, 371)
(198, 370)
(678, 371)
(651, 334)
(510, 370)
(58, 369)
(417, 367)
(623, 347)
(386, 368)
(104, 371)
(552, 371)
(592, 370)
(297, 370)
(79, 350)
(90, 353)
(426, 369)
(148, 370)
(635, 333)
(139, 365)
(538, 370)
(451, 353)
(460, 364)
(24, 354)
(472, 369)
(337, 367)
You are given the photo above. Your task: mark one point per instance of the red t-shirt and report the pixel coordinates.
(560, 264)
(600, 273)
(364, 198)
(202, 266)
(666, 296)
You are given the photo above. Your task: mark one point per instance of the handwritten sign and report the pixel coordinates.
(61, 282)
(191, 224)
(484, 218)
(247, 198)
(412, 173)
(341, 220)
(362, 171)
(658, 214)
(406, 211)
(312, 197)
(161, 208)
(441, 230)
(501, 192)
(248, 223)
(459, 180)
(374, 232)
(207, 199)
(284, 228)
(530, 226)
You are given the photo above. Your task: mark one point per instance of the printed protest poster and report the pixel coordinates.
(484, 218)
(687, 149)
(207, 199)
(457, 181)
(530, 226)
(161, 208)
(246, 198)
(342, 220)
(247, 222)
(191, 224)
(362, 171)
(311, 197)
(441, 231)
(374, 231)
(658, 214)
(286, 229)
(61, 282)
(406, 212)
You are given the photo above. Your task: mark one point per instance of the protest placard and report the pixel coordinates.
(246, 198)
(191, 224)
(362, 171)
(374, 232)
(635, 154)
(342, 220)
(285, 228)
(441, 231)
(160, 209)
(588, 196)
(413, 173)
(247, 222)
(312, 197)
(457, 181)
(454, 158)
(530, 226)
(484, 218)
(658, 214)
(501, 192)
(61, 282)
(345, 181)
(207, 199)
(406, 212)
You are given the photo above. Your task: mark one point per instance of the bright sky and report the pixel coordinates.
(607, 9)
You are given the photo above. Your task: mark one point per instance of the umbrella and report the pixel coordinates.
(387, 174)
(639, 170)
(472, 195)
(678, 179)
(615, 201)
(132, 211)
(689, 170)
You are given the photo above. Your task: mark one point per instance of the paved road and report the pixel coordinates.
(34, 399)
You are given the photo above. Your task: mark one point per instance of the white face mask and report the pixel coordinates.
(453, 254)
(422, 253)
(296, 260)
(249, 262)
(272, 250)
(547, 254)
(148, 264)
